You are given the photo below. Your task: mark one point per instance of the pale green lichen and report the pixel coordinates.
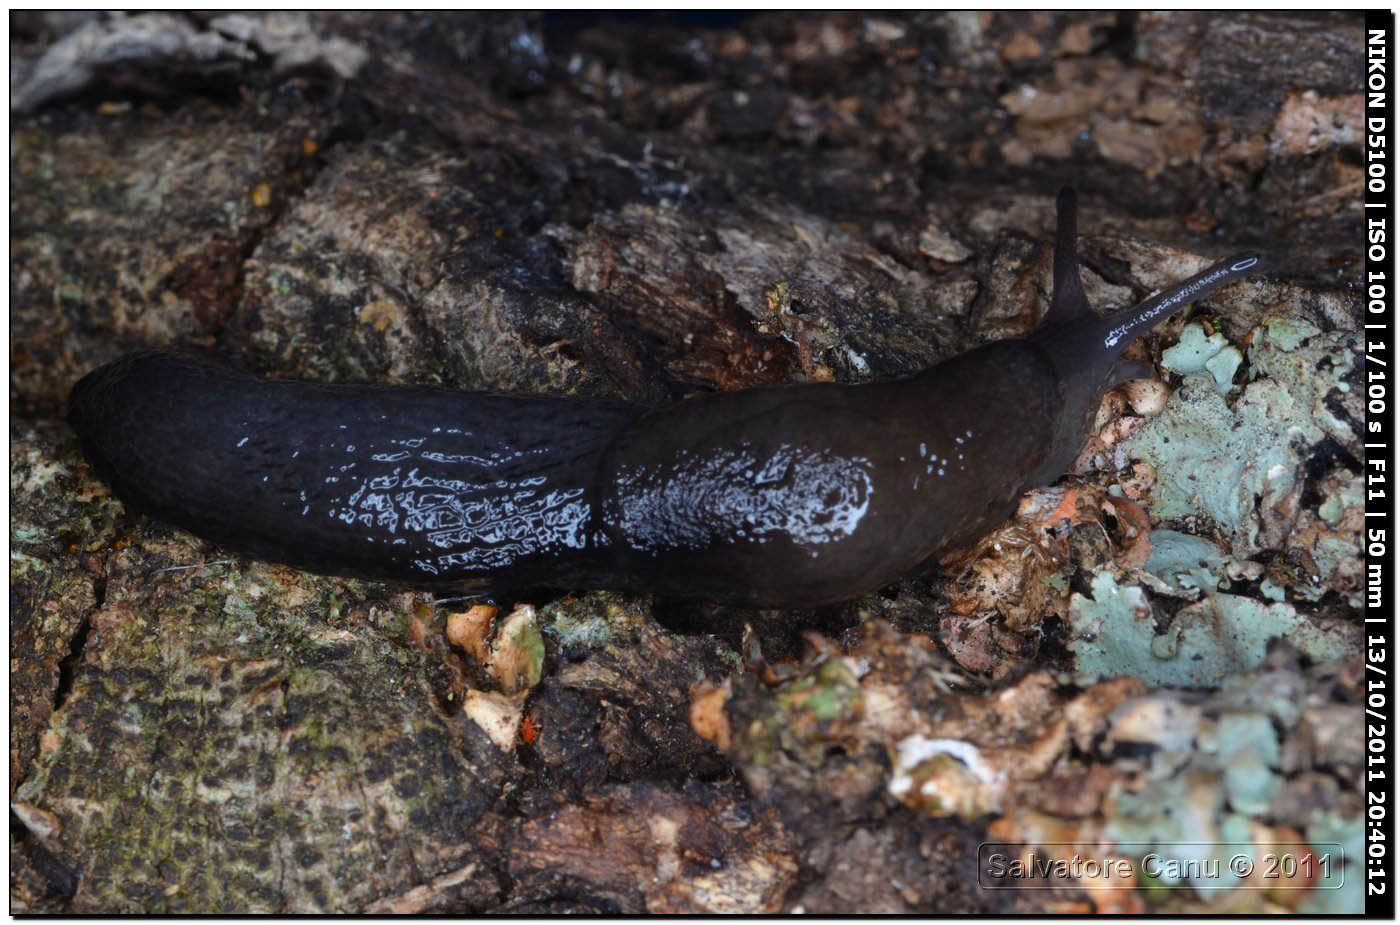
(1331, 553)
(1115, 634)
(1185, 562)
(1210, 798)
(1289, 333)
(1112, 629)
(1341, 888)
(1195, 352)
(1248, 749)
(1335, 504)
(1223, 366)
(1192, 349)
(1177, 819)
(592, 620)
(1202, 466)
(1240, 463)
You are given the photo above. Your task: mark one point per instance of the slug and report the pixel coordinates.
(795, 496)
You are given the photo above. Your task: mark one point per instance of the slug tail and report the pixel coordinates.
(1120, 329)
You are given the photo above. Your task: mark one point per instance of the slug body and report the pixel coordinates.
(779, 497)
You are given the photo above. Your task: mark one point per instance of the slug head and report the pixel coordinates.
(1085, 349)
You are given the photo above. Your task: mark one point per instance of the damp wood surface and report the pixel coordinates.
(643, 208)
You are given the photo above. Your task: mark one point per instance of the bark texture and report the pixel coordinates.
(642, 207)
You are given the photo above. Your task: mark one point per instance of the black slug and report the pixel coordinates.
(777, 497)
